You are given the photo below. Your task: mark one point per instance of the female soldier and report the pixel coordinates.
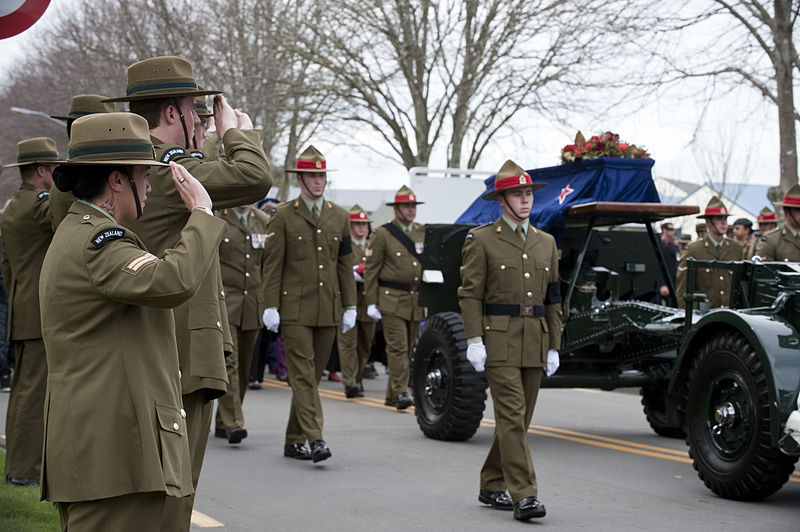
(115, 438)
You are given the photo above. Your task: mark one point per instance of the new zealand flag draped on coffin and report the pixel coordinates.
(602, 179)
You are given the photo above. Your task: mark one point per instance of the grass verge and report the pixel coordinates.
(22, 511)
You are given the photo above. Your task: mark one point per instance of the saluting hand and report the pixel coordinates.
(224, 115)
(192, 192)
(243, 120)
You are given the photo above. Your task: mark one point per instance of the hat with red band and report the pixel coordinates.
(358, 214)
(792, 198)
(715, 207)
(511, 177)
(767, 216)
(404, 195)
(311, 160)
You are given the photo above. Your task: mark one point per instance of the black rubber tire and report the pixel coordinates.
(449, 395)
(739, 461)
(655, 410)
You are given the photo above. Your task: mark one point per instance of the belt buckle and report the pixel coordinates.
(526, 311)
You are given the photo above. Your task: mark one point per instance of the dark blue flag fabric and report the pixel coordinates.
(601, 179)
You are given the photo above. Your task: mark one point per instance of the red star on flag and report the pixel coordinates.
(564, 193)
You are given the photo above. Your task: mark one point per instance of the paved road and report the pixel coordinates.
(599, 467)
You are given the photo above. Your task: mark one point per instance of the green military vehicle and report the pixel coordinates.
(725, 379)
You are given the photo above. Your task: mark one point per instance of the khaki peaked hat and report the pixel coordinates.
(767, 216)
(38, 150)
(404, 195)
(792, 198)
(111, 138)
(161, 77)
(510, 177)
(715, 207)
(86, 104)
(311, 160)
(358, 214)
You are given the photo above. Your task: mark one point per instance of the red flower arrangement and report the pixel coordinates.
(606, 145)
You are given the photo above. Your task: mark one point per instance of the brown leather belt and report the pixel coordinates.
(523, 311)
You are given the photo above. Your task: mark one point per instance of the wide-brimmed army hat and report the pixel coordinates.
(161, 77)
(311, 160)
(358, 214)
(511, 177)
(37, 150)
(404, 195)
(86, 104)
(111, 138)
(791, 199)
(685, 238)
(767, 216)
(700, 227)
(715, 207)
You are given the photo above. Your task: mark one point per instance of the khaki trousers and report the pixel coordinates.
(135, 512)
(237, 365)
(400, 336)
(354, 349)
(25, 415)
(509, 464)
(178, 511)
(307, 352)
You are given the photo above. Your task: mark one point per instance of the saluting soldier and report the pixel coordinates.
(308, 279)
(241, 257)
(355, 344)
(81, 105)
(767, 220)
(26, 234)
(511, 303)
(783, 243)
(163, 91)
(392, 276)
(116, 445)
(714, 283)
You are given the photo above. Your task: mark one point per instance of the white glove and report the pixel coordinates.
(348, 319)
(476, 354)
(271, 319)
(373, 312)
(358, 277)
(552, 362)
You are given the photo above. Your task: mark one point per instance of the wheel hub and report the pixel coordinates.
(432, 381)
(725, 416)
(730, 415)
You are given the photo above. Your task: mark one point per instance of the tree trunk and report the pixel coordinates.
(782, 35)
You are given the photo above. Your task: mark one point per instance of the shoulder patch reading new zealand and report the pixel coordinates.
(198, 155)
(106, 235)
(42, 194)
(171, 153)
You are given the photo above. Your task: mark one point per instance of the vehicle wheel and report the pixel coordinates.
(655, 410)
(728, 425)
(449, 395)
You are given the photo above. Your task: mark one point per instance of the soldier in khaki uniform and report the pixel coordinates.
(26, 234)
(767, 220)
(511, 303)
(783, 243)
(354, 345)
(715, 284)
(702, 230)
(392, 276)
(163, 91)
(116, 446)
(81, 105)
(308, 280)
(241, 257)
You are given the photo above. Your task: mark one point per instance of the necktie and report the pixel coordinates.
(520, 232)
(315, 213)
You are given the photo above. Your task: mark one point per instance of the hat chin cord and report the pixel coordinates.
(129, 173)
(505, 200)
(183, 123)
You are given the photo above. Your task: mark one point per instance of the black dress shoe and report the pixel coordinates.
(352, 390)
(236, 435)
(498, 499)
(390, 402)
(297, 450)
(220, 433)
(22, 481)
(319, 451)
(403, 401)
(369, 372)
(528, 508)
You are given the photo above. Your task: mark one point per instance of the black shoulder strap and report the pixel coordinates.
(402, 238)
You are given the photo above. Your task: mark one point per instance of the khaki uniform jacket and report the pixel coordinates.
(388, 260)
(60, 203)
(241, 258)
(113, 418)
(499, 268)
(201, 323)
(26, 234)
(778, 245)
(360, 257)
(715, 284)
(308, 274)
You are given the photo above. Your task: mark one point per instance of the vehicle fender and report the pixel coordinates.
(776, 343)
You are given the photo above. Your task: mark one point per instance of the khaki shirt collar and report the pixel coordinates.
(714, 242)
(92, 205)
(513, 226)
(242, 216)
(792, 231)
(407, 228)
(310, 204)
